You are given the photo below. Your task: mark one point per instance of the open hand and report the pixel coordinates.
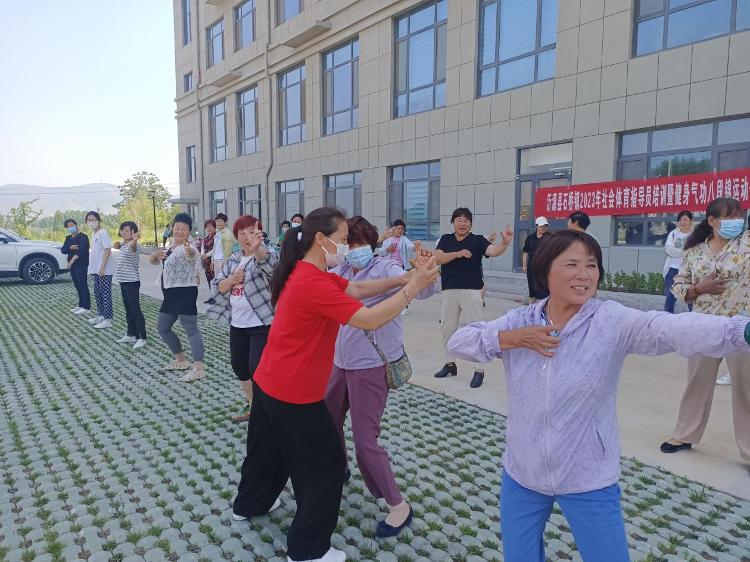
(507, 234)
(424, 274)
(536, 338)
(711, 285)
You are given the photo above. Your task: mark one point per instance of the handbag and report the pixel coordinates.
(397, 373)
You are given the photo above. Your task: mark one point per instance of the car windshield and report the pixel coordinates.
(7, 232)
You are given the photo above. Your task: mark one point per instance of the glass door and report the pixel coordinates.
(526, 190)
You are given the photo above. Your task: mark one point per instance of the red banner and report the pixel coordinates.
(635, 197)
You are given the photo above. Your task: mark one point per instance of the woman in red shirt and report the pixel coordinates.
(291, 434)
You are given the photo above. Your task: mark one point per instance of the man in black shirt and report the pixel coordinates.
(529, 247)
(460, 257)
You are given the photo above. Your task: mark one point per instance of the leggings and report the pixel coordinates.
(103, 295)
(190, 323)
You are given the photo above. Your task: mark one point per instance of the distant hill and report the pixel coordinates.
(89, 197)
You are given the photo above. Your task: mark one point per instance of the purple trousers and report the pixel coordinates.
(364, 392)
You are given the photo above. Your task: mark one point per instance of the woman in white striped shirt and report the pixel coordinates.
(128, 276)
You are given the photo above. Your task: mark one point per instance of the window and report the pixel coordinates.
(217, 201)
(414, 196)
(341, 88)
(517, 40)
(344, 191)
(244, 24)
(693, 149)
(250, 201)
(290, 200)
(287, 9)
(187, 82)
(218, 123)
(421, 40)
(186, 23)
(663, 24)
(215, 44)
(190, 170)
(292, 106)
(247, 120)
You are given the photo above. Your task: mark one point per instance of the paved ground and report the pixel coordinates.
(103, 458)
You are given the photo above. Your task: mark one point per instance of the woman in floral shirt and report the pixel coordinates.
(715, 278)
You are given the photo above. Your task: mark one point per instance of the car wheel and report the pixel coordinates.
(38, 271)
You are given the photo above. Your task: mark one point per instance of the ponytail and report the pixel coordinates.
(298, 241)
(718, 208)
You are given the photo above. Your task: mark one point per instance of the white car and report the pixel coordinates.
(36, 261)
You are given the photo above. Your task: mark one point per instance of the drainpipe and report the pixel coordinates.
(270, 117)
(198, 106)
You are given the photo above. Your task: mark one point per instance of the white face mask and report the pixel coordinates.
(333, 260)
(297, 224)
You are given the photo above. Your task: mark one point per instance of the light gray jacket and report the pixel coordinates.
(562, 435)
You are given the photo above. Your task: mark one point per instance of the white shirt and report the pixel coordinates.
(218, 248)
(673, 247)
(243, 315)
(100, 241)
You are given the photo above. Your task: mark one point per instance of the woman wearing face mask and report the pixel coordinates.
(674, 247)
(715, 278)
(246, 276)
(286, 225)
(358, 378)
(291, 433)
(179, 278)
(297, 219)
(101, 268)
(562, 358)
(76, 247)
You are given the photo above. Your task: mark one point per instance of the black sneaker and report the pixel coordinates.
(477, 379)
(448, 369)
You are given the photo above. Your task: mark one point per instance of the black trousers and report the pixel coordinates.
(245, 347)
(81, 283)
(131, 299)
(297, 441)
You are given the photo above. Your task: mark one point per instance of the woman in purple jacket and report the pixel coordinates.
(357, 381)
(562, 359)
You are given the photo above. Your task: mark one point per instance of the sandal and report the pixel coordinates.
(175, 365)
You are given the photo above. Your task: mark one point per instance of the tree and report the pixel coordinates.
(22, 217)
(139, 193)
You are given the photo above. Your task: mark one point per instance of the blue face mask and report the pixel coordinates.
(731, 228)
(360, 257)
(72, 229)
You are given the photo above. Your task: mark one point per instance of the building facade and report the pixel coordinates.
(408, 109)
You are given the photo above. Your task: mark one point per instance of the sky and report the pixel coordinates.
(87, 91)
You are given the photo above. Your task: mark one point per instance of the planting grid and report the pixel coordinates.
(103, 458)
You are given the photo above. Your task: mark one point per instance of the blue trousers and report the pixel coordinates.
(671, 300)
(595, 518)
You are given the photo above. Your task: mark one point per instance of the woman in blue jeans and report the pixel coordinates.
(673, 247)
(562, 358)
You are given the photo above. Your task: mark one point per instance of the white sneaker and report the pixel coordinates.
(105, 323)
(724, 380)
(404, 312)
(95, 320)
(75, 310)
(139, 344)
(127, 339)
(81, 311)
(333, 555)
(276, 505)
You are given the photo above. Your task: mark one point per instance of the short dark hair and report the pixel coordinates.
(221, 216)
(183, 218)
(93, 214)
(581, 219)
(300, 215)
(361, 231)
(462, 212)
(286, 223)
(212, 222)
(399, 222)
(552, 245)
(133, 227)
(69, 222)
(687, 214)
